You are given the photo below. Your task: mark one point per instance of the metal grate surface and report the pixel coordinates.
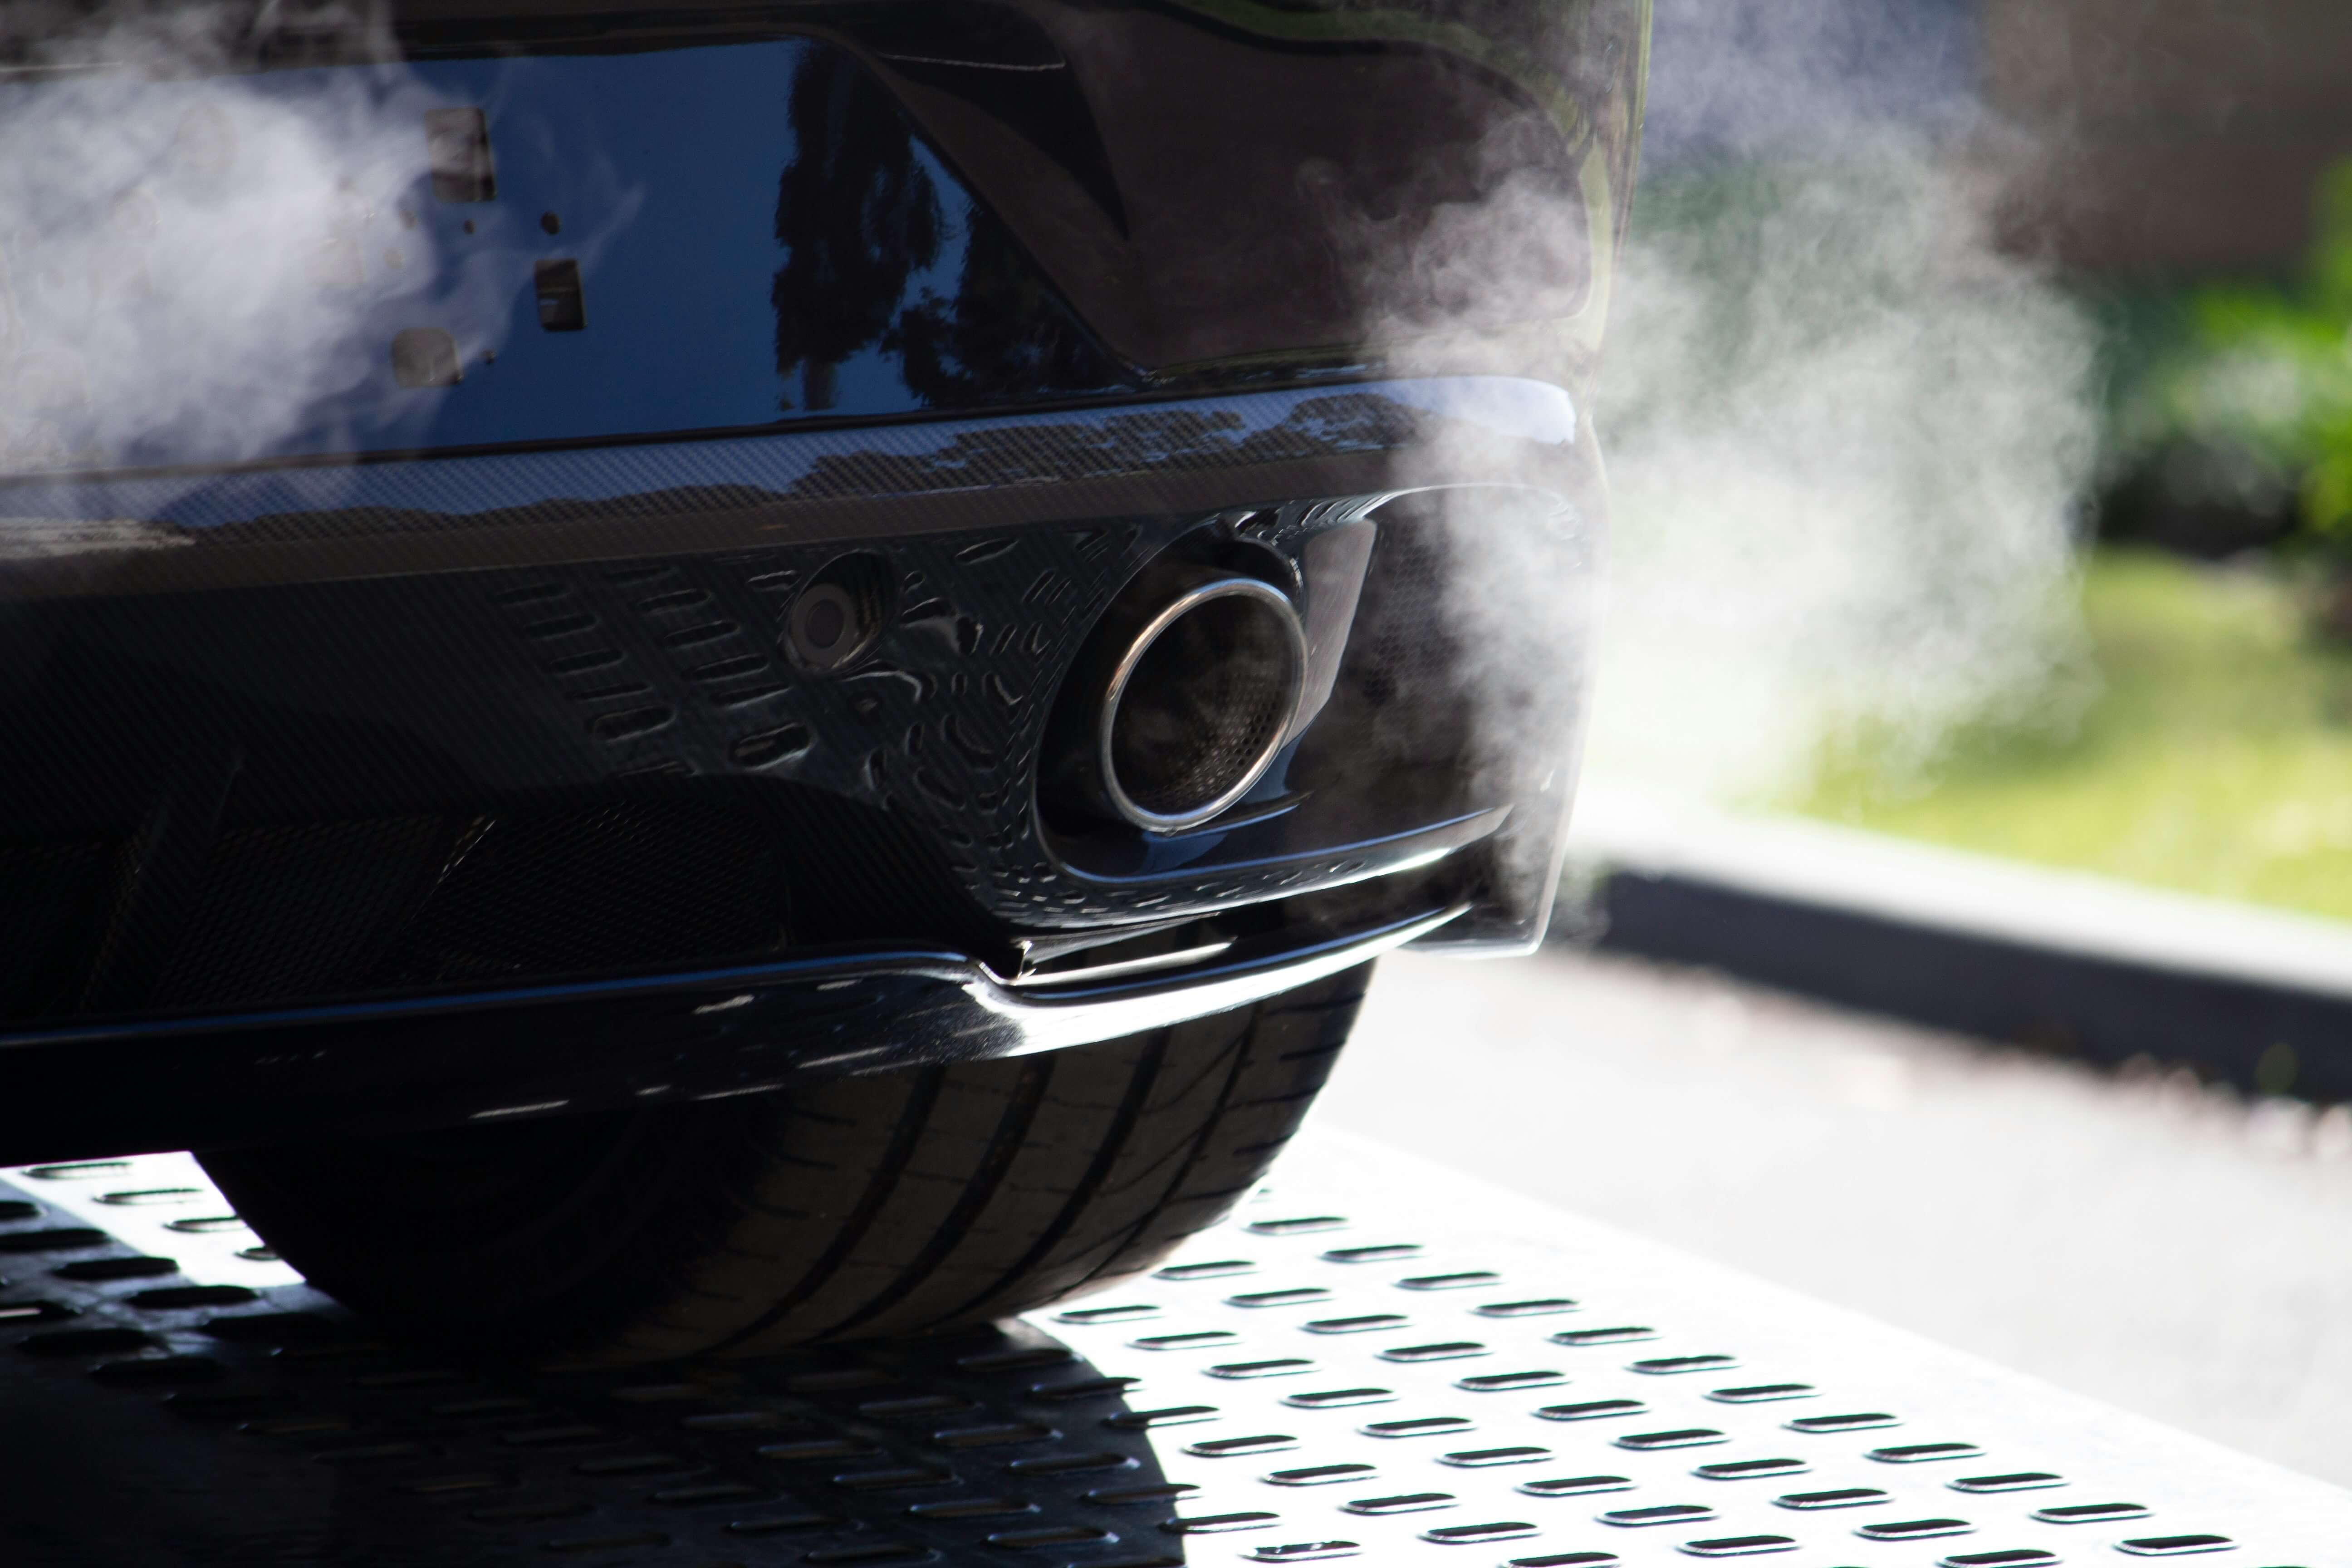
(1374, 1361)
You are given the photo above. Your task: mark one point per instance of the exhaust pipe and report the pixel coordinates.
(1188, 692)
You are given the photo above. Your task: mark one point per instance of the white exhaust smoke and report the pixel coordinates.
(190, 251)
(1848, 442)
(1848, 437)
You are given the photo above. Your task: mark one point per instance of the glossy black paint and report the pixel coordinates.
(745, 232)
(1290, 179)
(859, 214)
(784, 211)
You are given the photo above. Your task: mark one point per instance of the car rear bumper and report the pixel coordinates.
(424, 790)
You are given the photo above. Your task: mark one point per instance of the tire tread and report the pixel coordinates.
(897, 1204)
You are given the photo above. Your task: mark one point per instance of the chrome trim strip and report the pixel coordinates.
(1055, 1020)
(1144, 965)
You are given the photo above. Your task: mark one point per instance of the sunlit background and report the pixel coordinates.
(1979, 411)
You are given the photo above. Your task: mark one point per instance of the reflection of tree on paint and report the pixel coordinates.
(861, 218)
(858, 215)
(1004, 333)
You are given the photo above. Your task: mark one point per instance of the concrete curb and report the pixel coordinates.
(2055, 960)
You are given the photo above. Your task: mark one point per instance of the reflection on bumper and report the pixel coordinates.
(601, 1045)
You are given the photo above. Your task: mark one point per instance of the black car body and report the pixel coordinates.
(651, 644)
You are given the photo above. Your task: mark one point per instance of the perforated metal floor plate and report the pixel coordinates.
(1374, 1360)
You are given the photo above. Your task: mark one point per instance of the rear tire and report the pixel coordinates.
(855, 1207)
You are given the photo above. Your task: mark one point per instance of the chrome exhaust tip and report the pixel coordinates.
(1196, 677)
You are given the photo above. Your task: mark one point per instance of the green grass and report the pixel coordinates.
(2216, 756)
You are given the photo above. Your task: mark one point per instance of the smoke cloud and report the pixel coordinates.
(190, 252)
(1848, 437)
(1848, 442)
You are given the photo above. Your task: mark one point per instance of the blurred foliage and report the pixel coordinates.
(2239, 396)
(2211, 754)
